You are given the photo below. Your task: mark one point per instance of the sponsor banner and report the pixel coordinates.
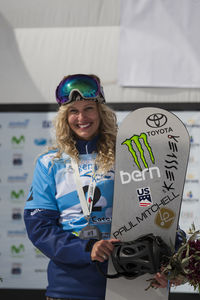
(23, 136)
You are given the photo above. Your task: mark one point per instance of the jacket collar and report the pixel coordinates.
(87, 147)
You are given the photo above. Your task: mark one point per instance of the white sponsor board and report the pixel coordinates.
(22, 137)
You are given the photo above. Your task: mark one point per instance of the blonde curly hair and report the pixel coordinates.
(66, 142)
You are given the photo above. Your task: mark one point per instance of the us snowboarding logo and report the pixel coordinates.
(144, 197)
(136, 142)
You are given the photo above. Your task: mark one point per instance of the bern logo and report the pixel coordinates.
(156, 120)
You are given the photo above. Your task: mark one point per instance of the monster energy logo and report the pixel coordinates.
(136, 140)
(17, 250)
(16, 195)
(19, 140)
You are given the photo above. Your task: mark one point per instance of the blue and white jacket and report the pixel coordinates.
(54, 218)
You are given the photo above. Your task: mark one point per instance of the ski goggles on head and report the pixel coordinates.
(87, 86)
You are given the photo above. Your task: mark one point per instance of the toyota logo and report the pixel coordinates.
(156, 120)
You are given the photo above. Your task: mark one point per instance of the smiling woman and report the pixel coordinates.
(69, 208)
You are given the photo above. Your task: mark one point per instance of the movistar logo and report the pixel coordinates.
(17, 195)
(16, 250)
(138, 142)
(19, 140)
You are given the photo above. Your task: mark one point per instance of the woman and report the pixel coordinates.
(69, 207)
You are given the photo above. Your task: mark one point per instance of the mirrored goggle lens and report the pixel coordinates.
(87, 86)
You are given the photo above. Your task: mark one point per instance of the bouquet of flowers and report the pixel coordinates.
(184, 265)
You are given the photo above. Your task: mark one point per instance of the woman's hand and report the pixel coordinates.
(162, 281)
(103, 249)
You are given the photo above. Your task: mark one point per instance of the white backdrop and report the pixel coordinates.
(160, 43)
(43, 40)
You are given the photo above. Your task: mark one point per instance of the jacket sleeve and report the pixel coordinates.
(41, 216)
(47, 235)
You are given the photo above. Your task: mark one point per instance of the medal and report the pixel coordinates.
(90, 232)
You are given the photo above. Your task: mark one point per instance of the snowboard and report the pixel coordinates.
(152, 151)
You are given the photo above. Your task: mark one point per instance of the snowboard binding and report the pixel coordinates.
(138, 257)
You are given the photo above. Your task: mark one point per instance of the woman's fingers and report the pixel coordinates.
(161, 279)
(102, 249)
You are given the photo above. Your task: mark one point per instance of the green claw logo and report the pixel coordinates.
(136, 140)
